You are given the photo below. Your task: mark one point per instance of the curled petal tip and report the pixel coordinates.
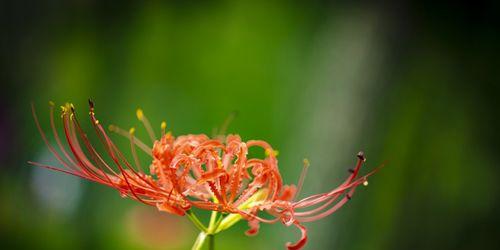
(303, 239)
(254, 228)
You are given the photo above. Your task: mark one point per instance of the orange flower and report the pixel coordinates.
(197, 171)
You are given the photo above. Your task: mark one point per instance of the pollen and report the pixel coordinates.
(270, 152)
(306, 162)
(140, 114)
(365, 183)
(163, 125)
(131, 130)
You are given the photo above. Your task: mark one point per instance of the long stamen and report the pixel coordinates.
(163, 127)
(137, 141)
(132, 149)
(302, 178)
(347, 197)
(147, 125)
(88, 169)
(44, 138)
(56, 136)
(75, 129)
(112, 153)
(225, 125)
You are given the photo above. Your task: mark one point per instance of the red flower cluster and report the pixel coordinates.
(197, 171)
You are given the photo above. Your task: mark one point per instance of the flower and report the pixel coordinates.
(188, 171)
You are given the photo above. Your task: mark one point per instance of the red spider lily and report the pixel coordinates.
(197, 171)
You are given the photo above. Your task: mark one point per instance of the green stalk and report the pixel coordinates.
(211, 242)
(205, 232)
(198, 244)
(196, 221)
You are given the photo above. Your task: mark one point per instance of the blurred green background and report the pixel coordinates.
(415, 84)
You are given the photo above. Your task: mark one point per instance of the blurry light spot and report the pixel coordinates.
(153, 229)
(57, 192)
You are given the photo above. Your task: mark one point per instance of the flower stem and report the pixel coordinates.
(196, 221)
(198, 244)
(211, 242)
(212, 226)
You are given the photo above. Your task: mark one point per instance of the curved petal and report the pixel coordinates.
(303, 239)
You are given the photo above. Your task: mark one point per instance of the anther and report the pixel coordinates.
(97, 122)
(365, 183)
(140, 114)
(163, 125)
(361, 156)
(91, 103)
(111, 127)
(131, 131)
(306, 162)
(270, 152)
(51, 103)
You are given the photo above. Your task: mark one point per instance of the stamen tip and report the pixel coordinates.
(111, 128)
(361, 156)
(306, 162)
(131, 131)
(91, 103)
(140, 114)
(270, 152)
(163, 125)
(51, 103)
(365, 183)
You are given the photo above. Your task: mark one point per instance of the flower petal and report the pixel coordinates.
(303, 239)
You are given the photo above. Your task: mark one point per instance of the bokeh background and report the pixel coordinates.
(415, 84)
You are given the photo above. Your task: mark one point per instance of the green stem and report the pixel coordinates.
(211, 224)
(196, 221)
(198, 244)
(211, 242)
